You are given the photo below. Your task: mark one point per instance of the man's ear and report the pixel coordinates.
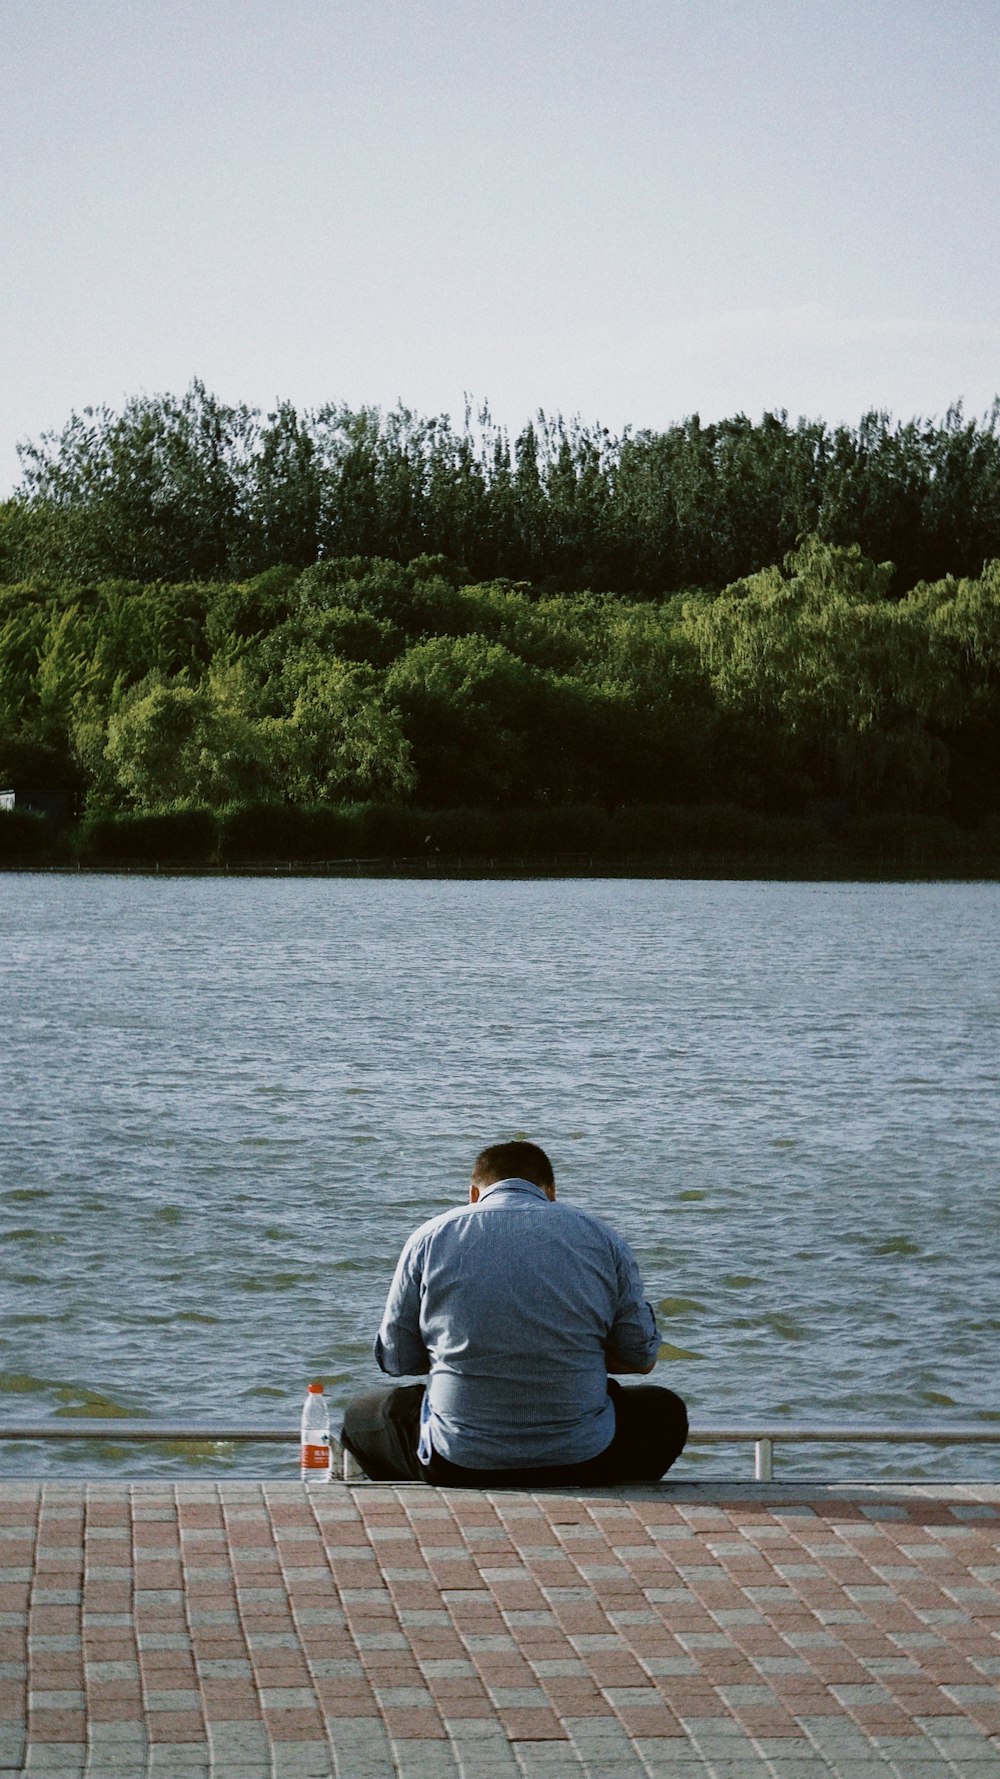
(550, 1191)
(473, 1195)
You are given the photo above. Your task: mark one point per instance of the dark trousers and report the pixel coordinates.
(382, 1428)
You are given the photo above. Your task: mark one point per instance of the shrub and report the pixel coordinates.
(904, 839)
(174, 836)
(25, 839)
(249, 832)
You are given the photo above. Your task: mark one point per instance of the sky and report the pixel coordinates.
(624, 210)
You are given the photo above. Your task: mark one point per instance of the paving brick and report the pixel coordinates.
(406, 1633)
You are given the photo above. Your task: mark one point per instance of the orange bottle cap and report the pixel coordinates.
(315, 1389)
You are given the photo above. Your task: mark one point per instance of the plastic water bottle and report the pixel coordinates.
(316, 1454)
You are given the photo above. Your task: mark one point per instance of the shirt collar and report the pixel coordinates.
(512, 1186)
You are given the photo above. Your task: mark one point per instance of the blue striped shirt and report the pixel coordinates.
(518, 1307)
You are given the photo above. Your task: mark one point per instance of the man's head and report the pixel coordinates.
(512, 1161)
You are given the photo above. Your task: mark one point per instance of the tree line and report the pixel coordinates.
(805, 691)
(191, 488)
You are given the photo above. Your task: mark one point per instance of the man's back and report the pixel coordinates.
(518, 1306)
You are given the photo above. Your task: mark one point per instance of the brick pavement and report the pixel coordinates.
(262, 1630)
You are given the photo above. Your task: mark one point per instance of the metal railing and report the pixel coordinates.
(762, 1436)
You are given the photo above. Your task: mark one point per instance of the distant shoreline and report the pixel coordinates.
(831, 868)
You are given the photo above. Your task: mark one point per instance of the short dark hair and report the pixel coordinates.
(513, 1161)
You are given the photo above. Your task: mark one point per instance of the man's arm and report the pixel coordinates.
(634, 1339)
(399, 1345)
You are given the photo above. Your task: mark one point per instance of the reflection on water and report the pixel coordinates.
(228, 1102)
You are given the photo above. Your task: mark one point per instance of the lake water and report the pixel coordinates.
(228, 1101)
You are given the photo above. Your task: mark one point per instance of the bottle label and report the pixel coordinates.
(315, 1457)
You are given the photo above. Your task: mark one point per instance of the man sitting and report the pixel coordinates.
(518, 1308)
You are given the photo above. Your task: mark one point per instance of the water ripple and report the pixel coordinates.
(227, 1103)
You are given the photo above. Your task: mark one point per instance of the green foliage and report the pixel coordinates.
(362, 684)
(170, 742)
(915, 840)
(250, 609)
(28, 765)
(252, 832)
(260, 831)
(26, 839)
(472, 710)
(158, 491)
(342, 739)
(850, 686)
(187, 835)
(189, 488)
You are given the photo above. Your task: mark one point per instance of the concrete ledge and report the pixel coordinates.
(257, 1629)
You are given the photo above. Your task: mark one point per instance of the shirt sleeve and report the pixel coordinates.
(634, 1340)
(399, 1345)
